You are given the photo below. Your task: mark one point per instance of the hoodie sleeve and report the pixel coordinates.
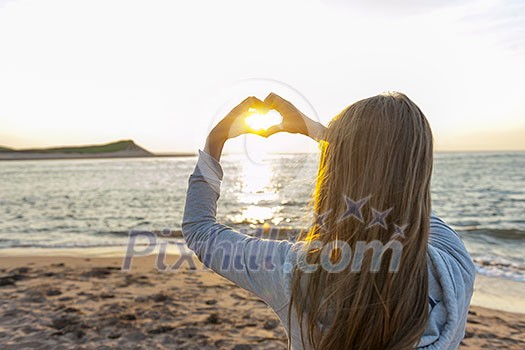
(258, 265)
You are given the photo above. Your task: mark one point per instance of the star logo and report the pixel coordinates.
(353, 208)
(379, 218)
(400, 231)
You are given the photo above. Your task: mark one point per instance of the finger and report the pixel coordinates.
(243, 108)
(271, 99)
(273, 130)
(254, 102)
(274, 101)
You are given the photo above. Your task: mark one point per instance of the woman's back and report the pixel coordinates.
(376, 269)
(265, 267)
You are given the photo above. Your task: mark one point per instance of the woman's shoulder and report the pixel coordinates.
(449, 244)
(442, 236)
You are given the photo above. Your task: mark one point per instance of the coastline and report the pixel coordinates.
(116, 149)
(5, 156)
(73, 300)
(487, 289)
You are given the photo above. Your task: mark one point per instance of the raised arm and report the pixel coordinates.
(260, 266)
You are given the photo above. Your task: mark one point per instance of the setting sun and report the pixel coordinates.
(261, 122)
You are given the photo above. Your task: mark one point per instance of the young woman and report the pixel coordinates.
(377, 269)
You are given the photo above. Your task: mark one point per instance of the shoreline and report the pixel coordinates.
(487, 289)
(22, 155)
(14, 158)
(82, 302)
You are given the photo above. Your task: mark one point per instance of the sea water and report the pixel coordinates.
(57, 204)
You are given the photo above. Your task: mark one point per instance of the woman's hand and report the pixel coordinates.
(294, 121)
(233, 125)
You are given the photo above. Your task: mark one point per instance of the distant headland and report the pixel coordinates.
(118, 149)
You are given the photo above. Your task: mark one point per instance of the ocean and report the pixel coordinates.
(60, 204)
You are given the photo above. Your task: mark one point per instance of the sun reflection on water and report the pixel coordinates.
(257, 192)
(256, 177)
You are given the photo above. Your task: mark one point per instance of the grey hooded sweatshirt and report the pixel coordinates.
(264, 266)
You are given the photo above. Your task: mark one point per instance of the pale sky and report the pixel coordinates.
(161, 72)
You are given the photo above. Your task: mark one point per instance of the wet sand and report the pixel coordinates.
(90, 303)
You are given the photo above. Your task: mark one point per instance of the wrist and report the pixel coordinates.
(316, 130)
(216, 136)
(214, 145)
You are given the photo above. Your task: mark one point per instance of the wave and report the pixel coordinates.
(505, 234)
(64, 245)
(487, 265)
(498, 267)
(80, 245)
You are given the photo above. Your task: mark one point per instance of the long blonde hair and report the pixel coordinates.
(377, 150)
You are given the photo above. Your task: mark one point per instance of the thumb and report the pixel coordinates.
(273, 130)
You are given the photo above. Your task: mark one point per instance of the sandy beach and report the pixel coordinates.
(90, 303)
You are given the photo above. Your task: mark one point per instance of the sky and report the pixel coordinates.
(163, 72)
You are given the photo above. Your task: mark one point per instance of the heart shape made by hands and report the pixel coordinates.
(260, 122)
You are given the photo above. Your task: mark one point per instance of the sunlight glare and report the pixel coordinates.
(257, 179)
(260, 122)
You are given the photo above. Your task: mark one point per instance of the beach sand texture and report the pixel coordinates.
(90, 303)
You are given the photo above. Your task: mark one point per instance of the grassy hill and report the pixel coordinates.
(124, 148)
(125, 145)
